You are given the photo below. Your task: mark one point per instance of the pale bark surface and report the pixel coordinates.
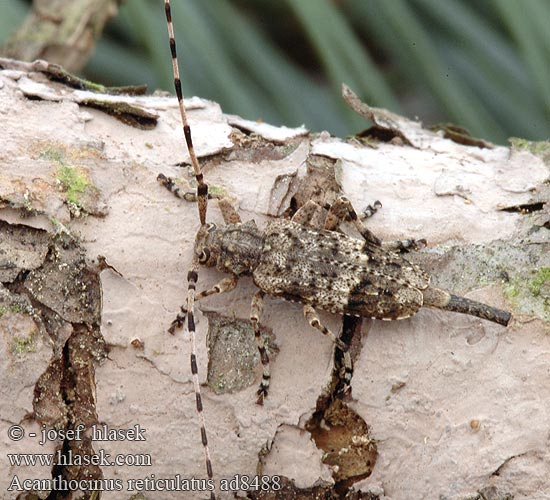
(454, 403)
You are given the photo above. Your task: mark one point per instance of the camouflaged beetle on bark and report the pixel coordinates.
(319, 267)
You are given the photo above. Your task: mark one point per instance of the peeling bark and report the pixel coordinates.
(418, 384)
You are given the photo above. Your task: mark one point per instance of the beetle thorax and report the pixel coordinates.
(233, 248)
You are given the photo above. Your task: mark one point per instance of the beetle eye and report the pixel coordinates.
(211, 227)
(204, 255)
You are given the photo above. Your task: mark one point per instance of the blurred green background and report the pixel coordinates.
(484, 65)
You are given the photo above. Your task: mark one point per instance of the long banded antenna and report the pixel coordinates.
(202, 187)
(192, 276)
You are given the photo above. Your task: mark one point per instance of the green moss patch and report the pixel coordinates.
(531, 295)
(21, 345)
(540, 284)
(80, 193)
(74, 182)
(538, 148)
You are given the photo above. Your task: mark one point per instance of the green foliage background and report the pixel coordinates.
(483, 64)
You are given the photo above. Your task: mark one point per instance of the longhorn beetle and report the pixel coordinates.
(318, 267)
